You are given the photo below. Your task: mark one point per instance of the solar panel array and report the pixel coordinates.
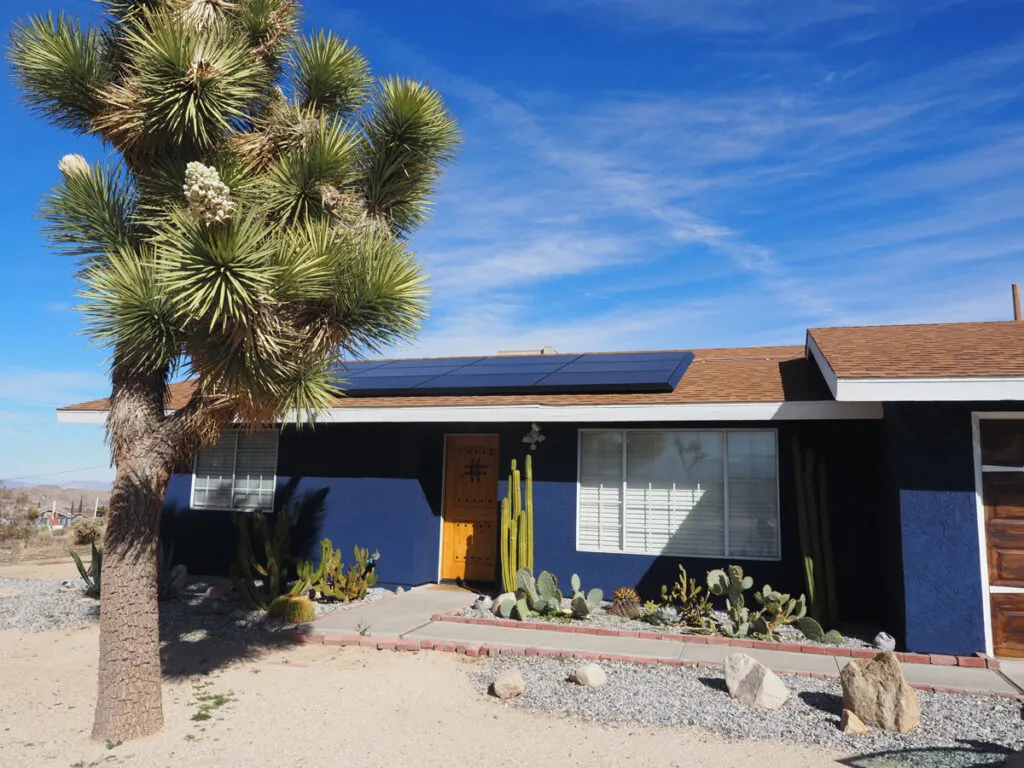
(518, 374)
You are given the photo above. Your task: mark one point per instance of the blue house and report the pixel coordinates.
(646, 461)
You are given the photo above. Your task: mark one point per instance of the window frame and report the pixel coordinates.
(234, 467)
(725, 494)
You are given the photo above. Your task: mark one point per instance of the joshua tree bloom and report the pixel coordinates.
(209, 199)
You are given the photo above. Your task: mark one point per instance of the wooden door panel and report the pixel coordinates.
(1002, 442)
(470, 546)
(1003, 494)
(1008, 625)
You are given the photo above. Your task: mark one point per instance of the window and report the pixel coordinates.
(239, 472)
(699, 493)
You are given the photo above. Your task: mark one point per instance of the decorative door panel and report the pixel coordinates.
(470, 545)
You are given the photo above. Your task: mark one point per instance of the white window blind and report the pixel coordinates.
(238, 472)
(702, 493)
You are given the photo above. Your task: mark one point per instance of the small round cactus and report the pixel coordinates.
(292, 609)
(626, 603)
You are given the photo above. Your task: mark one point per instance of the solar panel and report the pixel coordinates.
(516, 374)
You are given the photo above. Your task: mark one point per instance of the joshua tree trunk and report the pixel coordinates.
(128, 700)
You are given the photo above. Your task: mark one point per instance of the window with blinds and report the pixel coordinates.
(239, 472)
(686, 492)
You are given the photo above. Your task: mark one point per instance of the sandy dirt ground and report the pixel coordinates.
(309, 705)
(65, 569)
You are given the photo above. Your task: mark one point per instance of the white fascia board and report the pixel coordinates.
(980, 389)
(791, 411)
(815, 410)
(826, 370)
(82, 417)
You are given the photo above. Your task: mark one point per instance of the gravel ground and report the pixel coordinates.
(601, 618)
(36, 605)
(656, 695)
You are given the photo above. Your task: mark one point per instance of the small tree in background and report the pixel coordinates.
(251, 231)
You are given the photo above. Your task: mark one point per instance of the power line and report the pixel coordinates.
(50, 474)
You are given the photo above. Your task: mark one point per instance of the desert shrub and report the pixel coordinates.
(88, 530)
(17, 517)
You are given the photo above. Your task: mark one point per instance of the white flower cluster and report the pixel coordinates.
(72, 164)
(209, 199)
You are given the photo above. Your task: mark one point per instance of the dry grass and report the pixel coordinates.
(43, 547)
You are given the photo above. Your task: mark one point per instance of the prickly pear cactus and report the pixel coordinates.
(579, 606)
(811, 628)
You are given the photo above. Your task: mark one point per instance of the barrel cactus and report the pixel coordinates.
(626, 603)
(292, 609)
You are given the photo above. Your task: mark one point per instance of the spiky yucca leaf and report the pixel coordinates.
(59, 68)
(381, 292)
(127, 307)
(188, 84)
(215, 275)
(409, 135)
(293, 187)
(330, 74)
(269, 25)
(91, 212)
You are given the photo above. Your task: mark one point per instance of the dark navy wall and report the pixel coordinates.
(851, 451)
(932, 487)
(379, 486)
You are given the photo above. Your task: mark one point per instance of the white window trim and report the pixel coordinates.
(725, 497)
(234, 460)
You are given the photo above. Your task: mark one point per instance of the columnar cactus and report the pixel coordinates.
(517, 526)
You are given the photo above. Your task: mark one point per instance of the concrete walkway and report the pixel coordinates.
(407, 617)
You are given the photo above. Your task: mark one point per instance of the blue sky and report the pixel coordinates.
(635, 174)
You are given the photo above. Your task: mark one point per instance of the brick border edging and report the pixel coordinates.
(979, 660)
(472, 649)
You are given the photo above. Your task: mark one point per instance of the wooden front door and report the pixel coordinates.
(470, 544)
(1002, 459)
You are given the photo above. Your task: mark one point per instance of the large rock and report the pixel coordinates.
(508, 598)
(876, 692)
(590, 675)
(508, 684)
(751, 683)
(482, 603)
(850, 723)
(885, 642)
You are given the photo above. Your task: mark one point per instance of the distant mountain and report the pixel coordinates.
(87, 485)
(63, 497)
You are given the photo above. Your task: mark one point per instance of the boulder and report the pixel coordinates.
(589, 675)
(877, 693)
(482, 603)
(752, 684)
(885, 642)
(503, 598)
(399, 590)
(850, 723)
(214, 593)
(508, 684)
(212, 607)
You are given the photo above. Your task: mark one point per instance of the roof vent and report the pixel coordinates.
(541, 351)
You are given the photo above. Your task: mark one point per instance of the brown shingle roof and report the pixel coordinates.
(741, 375)
(923, 351)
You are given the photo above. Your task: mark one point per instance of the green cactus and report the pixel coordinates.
(733, 583)
(505, 609)
(778, 610)
(579, 606)
(694, 606)
(832, 637)
(92, 576)
(521, 611)
(516, 536)
(271, 567)
(815, 536)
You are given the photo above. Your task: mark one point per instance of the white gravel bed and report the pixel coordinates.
(37, 605)
(656, 695)
(603, 619)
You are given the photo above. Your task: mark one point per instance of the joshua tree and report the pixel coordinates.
(252, 231)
